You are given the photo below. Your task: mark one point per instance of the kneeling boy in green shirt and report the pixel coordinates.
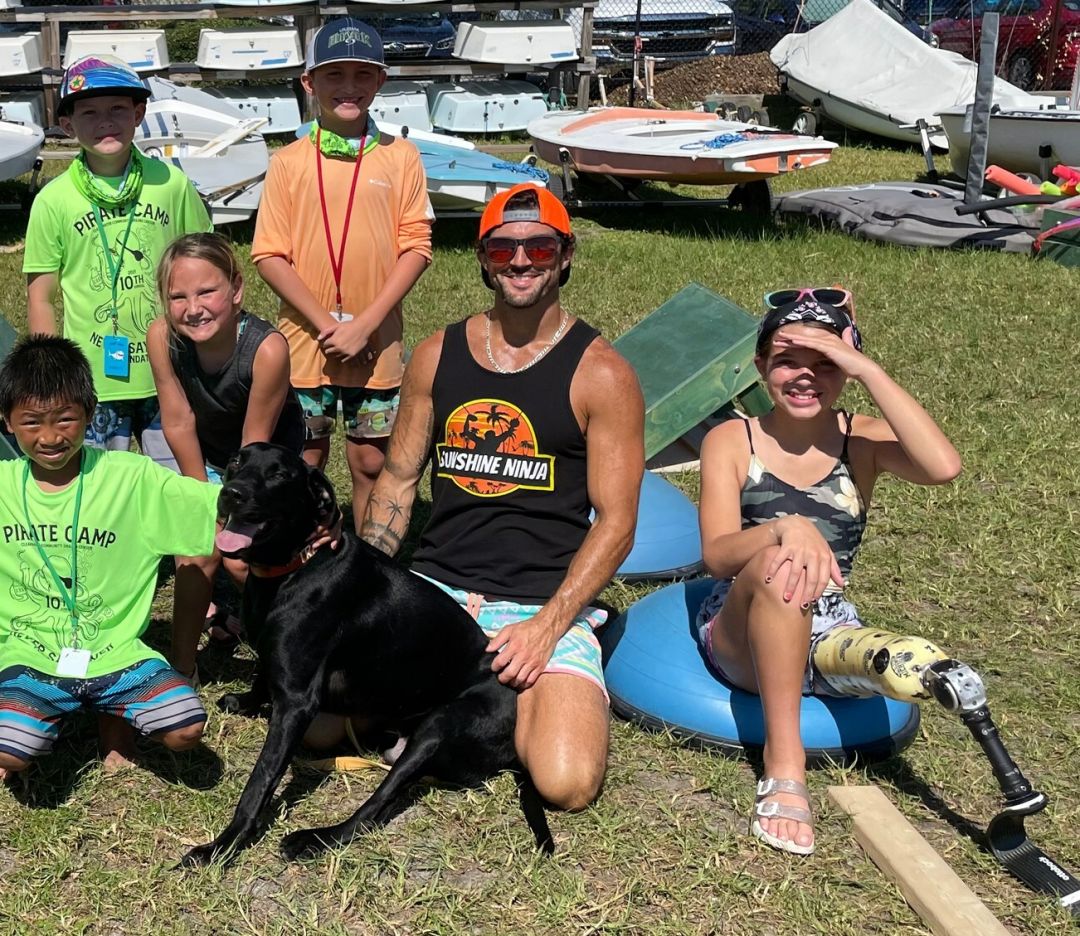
(81, 533)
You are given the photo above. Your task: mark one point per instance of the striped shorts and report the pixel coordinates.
(576, 654)
(150, 695)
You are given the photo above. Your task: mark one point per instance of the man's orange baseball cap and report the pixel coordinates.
(542, 207)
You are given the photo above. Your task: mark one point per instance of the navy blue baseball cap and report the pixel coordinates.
(344, 40)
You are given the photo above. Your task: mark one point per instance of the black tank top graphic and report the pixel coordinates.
(510, 504)
(220, 401)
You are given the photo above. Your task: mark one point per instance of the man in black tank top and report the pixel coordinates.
(529, 419)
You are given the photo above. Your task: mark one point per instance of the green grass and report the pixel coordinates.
(987, 566)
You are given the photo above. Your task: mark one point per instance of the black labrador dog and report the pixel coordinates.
(351, 632)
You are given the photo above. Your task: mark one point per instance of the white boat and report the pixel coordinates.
(215, 145)
(249, 49)
(25, 107)
(20, 54)
(673, 146)
(19, 148)
(1015, 138)
(277, 104)
(533, 42)
(492, 106)
(143, 49)
(863, 69)
(404, 103)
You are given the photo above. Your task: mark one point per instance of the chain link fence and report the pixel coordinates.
(1037, 47)
(671, 32)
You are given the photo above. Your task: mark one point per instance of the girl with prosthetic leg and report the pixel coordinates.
(783, 509)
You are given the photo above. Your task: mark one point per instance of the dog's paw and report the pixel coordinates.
(303, 844)
(240, 703)
(230, 703)
(200, 856)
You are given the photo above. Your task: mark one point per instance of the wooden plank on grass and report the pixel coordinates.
(944, 902)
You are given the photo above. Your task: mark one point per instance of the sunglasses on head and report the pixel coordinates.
(829, 295)
(540, 249)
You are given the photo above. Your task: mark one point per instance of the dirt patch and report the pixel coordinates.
(469, 878)
(724, 74)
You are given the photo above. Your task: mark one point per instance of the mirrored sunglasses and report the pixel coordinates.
(542, 249)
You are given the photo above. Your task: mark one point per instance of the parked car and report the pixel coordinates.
(415, 35)
(672, 31)
(924, 12)
(760, 24)
(1023, 53)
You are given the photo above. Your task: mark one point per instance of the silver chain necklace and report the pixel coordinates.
(536, 357)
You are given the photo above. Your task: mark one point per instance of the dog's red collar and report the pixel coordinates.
(300, 559)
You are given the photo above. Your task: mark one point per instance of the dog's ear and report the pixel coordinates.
(322, 492)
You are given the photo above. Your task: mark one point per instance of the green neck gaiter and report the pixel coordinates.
(334, 145)
(94, 190)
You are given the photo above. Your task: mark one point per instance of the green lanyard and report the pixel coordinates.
(69, 599)
(114, 265)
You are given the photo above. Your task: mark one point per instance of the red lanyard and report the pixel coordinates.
(337, 264)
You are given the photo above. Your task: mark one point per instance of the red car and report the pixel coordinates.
(1024, 38)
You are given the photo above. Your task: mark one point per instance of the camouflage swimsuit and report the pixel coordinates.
(835, 506)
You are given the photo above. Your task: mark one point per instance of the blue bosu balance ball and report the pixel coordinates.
(657, 677)
(667, 543)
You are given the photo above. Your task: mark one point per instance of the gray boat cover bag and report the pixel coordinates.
(909, 213)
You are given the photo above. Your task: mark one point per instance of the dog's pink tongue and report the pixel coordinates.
(229, 541)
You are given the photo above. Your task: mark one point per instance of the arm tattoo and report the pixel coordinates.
(389, 530)
(386, 521)
(382, 538)
(396, 511)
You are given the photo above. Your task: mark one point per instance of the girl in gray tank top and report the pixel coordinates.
(783, 509)
(222, 379)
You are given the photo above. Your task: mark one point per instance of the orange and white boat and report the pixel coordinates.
(672, 146)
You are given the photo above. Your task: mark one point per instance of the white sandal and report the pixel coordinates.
(770, 786)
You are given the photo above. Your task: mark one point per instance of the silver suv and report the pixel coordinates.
(671, 30)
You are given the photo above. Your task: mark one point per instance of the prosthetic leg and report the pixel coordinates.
(863, 661)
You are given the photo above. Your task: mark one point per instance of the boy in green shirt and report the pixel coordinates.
(81, 534)
(97, 231)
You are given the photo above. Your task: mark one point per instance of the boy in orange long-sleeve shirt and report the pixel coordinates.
(343, 233)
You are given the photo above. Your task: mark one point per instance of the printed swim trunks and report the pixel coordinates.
(367, 414)
(576, 654)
